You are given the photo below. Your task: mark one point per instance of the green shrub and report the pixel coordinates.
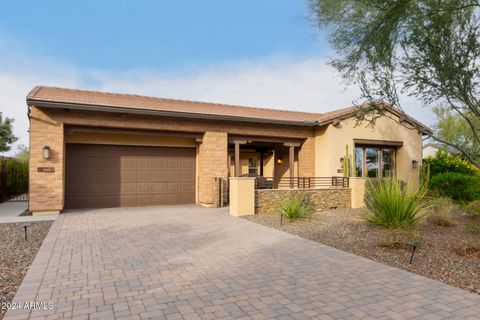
(440, 212)
(297, 205)
(444, 162)
(472, 228)
(473, 208)
(17, 177)
(390, 204)
(460, 187)
(396, 238)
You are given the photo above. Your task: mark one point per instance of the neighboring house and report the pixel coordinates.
(94, 149)
(431, 149)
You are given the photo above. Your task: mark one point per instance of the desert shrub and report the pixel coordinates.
(396, 238)
(390, 204)
(440, 212)
(467, 249)
(473, 207)
(472, 228)
(297, 205)
(460, 187)
(444, 162)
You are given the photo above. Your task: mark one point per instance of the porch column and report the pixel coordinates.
(237, 156)
(291, 160)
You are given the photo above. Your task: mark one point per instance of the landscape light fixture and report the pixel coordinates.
(25, 226)
(414, 245)
(46, 152)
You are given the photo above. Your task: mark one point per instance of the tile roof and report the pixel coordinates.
(115, 100)
(121, 102)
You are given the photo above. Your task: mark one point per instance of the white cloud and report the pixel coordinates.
(279, 82)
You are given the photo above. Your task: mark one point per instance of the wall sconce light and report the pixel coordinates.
(414, 164)
(341, 159)
(46, 152)
(280, 160)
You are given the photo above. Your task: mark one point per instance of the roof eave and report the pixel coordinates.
(419, 126)
(190, 115)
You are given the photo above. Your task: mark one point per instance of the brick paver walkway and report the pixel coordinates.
(198, 263)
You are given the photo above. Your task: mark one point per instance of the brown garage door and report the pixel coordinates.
(103, 176)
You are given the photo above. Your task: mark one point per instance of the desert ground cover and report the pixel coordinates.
(450, 254)
(17, 254)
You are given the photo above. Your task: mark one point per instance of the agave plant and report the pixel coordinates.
(389, 203)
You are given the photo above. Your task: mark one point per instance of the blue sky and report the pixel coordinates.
(169, 35)
(259, 53)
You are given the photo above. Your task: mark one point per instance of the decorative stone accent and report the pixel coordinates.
(268, 200)
(219, 192)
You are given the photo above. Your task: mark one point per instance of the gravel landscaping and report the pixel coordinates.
(17, 255)
(448, 254)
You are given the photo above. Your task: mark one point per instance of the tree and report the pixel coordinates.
(6, 133)
(427, 49)
(453, 128)
(22, 152)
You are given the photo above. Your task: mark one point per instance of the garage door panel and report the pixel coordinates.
(126, 188)
(159, 198)
(128, 200)
(143, 188)
(159, 163)
(174, 198)
(187, 187)
(143, 175)
(94, 188)
(187, 198)
(159, 187)
(158, 176)
(173, 163)
(111, 176)
(188, 164)
(144, 163)
(173, 187)
(127, 162)
(76, 189)
(187, 175)
(128, 175)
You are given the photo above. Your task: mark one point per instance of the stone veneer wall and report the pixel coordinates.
(219, 192)
(268, 200)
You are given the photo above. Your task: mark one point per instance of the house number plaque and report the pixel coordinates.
(46, 169)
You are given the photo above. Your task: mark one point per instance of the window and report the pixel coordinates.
(374, 161)
(252, 166)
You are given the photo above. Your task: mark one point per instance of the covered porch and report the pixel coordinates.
(275, 163)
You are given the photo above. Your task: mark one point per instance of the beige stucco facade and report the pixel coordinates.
(242, 196)
(317, 149)
(331, 142)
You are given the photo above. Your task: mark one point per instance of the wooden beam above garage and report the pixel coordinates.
(70, 130)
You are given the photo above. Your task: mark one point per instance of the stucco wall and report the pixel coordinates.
(330, 145)
(268, 200)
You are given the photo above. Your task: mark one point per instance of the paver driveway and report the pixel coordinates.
(192, 262)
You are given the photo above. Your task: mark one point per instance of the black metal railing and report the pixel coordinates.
(300, 182)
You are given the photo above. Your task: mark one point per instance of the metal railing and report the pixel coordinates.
(301, 182)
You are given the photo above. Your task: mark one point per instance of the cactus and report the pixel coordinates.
(346, 163)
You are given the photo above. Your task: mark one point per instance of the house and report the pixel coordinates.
(94, 149)
(431, 149)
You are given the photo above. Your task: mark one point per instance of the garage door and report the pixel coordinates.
(101, 176)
